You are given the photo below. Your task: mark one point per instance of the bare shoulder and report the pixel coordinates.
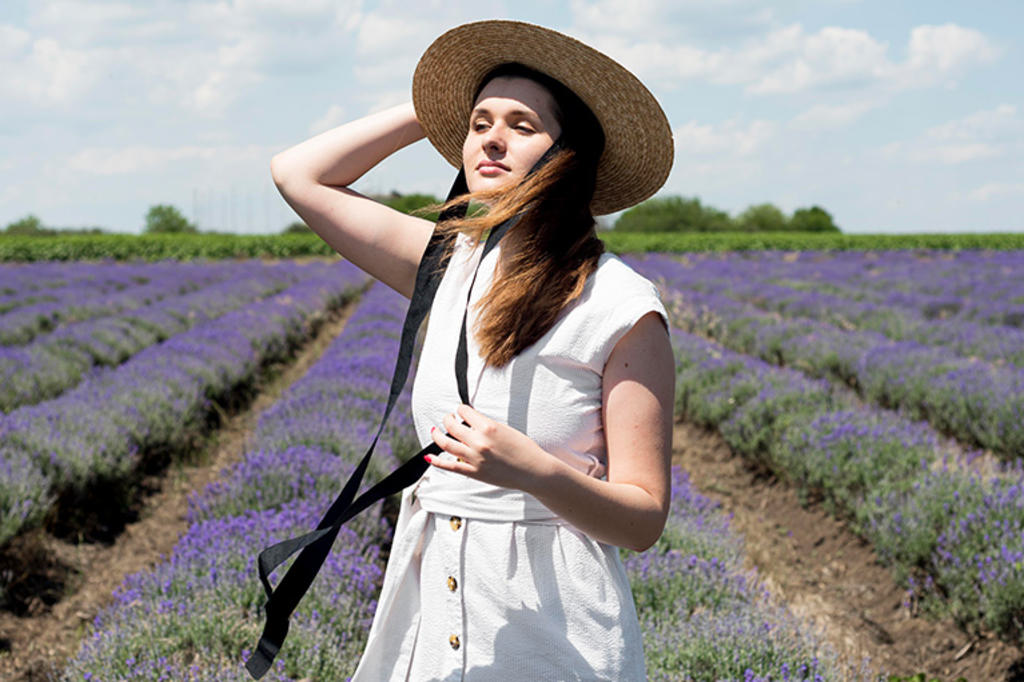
(644, 352)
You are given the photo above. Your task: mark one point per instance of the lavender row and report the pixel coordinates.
(978, 402)
(112, 289)
(194, 616)
(23, 283)
(155, 402)
(55, 362)
(705, 618)
(965, 286)
(953, 535)
(690, 589)
(753, 283)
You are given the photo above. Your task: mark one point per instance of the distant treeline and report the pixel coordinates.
(669, 224)
(662, 214)
(219, 246)
(677, 214)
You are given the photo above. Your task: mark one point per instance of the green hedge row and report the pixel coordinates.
(215, 246)
(160, 247)
(803, 241)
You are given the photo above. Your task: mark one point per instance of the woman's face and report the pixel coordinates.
(511, 126)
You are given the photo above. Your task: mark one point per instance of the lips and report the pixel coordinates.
(491, 164)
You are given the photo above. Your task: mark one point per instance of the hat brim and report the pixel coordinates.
(638, 148)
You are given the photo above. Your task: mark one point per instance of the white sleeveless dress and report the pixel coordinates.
(485, 583)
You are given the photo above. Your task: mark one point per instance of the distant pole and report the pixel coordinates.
(266, 210)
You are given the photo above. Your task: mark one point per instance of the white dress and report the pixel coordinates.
(485, 583)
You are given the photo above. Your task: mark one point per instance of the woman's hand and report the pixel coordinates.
(489, 451)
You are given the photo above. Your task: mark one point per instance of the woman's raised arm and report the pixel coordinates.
(313, 177)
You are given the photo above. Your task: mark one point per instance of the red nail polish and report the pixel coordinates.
(428, 458)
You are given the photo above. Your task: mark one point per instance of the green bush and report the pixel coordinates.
(297, 227)
(763, 218)
(673, 214)
(813, 219)
(410, 203)
(166, 219)
(29, 225)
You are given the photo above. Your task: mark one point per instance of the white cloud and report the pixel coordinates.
(787, 59)
(940, 49)
(196, 55)
(12, 40)
(729, 138)
(94, 24)
(635, 18)
(668, 20)
(1001, 123)
(384, 34)
(332, 118)
(833, 55)
(997, 189)
(385, 99)
(42, 72)
(986, 134)
(828, 117)
(145, 158)
(955, 153)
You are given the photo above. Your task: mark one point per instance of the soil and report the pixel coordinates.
(831, 578)
(72, 580)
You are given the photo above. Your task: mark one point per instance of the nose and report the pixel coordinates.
(494, 139)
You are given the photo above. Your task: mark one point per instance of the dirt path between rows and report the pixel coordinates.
(34, 646)
(830, 577)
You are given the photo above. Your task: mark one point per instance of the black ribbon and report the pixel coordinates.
(316, 545)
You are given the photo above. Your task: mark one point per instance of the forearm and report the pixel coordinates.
(340, 156)
(621, 514)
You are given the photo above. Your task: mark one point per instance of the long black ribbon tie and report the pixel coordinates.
(316, 545)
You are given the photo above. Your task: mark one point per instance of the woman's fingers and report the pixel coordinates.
(458, 427)
(449, 445)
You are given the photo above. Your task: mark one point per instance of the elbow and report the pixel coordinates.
(641, 547)
(279, 170)
(648, 537)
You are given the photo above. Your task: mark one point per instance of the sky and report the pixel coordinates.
(896, 117)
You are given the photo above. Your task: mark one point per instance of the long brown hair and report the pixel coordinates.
(556, 244)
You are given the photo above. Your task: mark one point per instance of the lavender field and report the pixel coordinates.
(886, 386)
(889, 385)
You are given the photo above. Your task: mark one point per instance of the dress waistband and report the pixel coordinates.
(443, 492)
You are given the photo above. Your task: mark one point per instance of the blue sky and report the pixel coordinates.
(895, 117)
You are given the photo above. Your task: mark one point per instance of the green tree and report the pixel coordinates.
(409, 203)
(166, 219)
(673, 214)
(30, 224)
(297, 227)
(763, 218)
(813, 219)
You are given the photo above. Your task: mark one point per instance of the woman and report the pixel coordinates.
(504, 563)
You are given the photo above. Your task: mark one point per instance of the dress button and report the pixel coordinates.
(452, 584)
(455, 522)
(454, 641)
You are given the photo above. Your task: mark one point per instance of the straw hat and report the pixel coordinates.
(638, 140)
